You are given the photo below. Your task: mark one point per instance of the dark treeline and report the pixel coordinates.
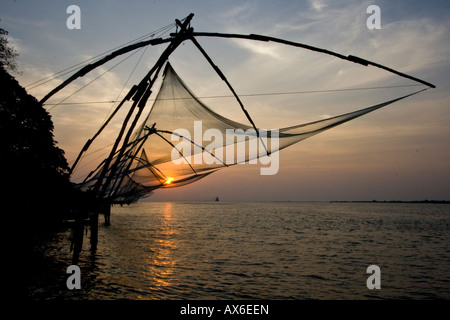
(36, 194)
(34, 171)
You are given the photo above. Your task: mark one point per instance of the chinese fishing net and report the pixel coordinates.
(182, 140)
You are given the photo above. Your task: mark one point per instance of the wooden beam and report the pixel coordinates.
(351, 58)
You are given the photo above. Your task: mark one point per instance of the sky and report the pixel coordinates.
(401, 152)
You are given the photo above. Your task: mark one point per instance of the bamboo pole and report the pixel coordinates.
(140, 98)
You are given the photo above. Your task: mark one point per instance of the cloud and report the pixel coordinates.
(317, 5)
(261, 49)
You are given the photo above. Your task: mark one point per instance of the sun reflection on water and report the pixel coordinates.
(161, 262)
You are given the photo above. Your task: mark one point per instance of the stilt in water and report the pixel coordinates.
(107, 214)
(77, 236)
(93, 220)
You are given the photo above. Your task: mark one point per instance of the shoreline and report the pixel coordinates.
(394, 201)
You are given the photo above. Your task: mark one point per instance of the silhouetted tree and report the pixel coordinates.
(7, 53)
(35, 188)
(34, 171)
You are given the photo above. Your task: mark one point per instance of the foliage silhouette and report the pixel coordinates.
(34, 170)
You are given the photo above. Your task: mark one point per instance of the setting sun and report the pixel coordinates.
(169, 180)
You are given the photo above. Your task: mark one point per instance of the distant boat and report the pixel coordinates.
(217, 198)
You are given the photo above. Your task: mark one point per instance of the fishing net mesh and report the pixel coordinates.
(183, 140)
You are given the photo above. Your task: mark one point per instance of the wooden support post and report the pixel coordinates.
(77, 236)
(107, 214)
(140, 95)
(93, 221)
(140, 98)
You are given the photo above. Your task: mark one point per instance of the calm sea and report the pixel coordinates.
(260, 250)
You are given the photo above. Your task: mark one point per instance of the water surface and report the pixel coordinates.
(259, 250)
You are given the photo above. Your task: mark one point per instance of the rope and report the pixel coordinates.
(253, 94)
(59, 74)
(101, 75)
(125, 84)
